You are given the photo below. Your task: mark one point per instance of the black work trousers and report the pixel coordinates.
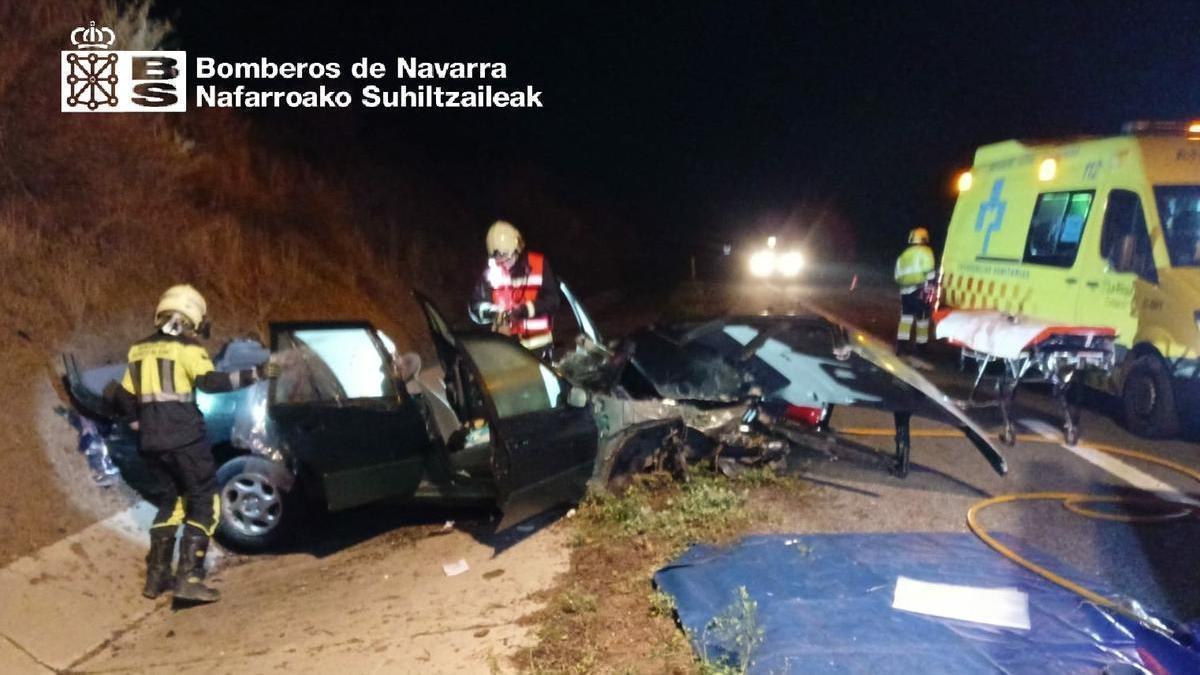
(188, 487)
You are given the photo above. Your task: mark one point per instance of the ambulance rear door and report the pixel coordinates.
(1014, 240)
(1052, 246)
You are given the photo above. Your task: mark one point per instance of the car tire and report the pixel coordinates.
(1148, 399)
(257, 511)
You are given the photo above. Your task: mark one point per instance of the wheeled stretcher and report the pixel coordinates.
(1028, 349)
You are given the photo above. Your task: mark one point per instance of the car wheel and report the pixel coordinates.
(256, 511)
(1148, 400)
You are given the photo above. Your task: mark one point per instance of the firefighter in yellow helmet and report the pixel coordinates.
(159, 391)
(518, 292)
(915, 274)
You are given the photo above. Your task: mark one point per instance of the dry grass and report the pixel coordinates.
(603, 615)
(100, 213)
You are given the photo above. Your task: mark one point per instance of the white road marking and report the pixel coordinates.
(1118, 468)
(918, 363)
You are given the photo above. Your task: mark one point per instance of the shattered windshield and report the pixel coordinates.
(1179, 210)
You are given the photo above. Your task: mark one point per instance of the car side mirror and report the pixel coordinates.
(577, 398)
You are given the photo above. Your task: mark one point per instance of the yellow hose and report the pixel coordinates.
(1072, 501)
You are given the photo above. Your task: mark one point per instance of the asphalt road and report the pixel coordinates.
(1153, 564)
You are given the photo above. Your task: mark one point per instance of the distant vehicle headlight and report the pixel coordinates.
(762, 263)
(790, 263)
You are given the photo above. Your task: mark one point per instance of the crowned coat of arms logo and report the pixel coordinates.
(92, 77)
(98, 78)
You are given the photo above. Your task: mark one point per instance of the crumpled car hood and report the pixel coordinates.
(806, 361)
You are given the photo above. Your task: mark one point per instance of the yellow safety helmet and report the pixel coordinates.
(184, 300)
(918, 235)
(504, 239)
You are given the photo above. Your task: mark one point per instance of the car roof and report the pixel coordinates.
(318, 325)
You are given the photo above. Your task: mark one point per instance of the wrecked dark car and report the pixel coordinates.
(344, 425)
(349, 422)
(741, 378)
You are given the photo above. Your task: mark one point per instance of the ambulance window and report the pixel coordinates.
(1124, 242)
(1057, 227)
(1179, 211)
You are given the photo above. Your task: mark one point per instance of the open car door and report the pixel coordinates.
(439, 331)
(587, 327)
(460, 393)
(542, 446)
(338, 406)
(543, 442)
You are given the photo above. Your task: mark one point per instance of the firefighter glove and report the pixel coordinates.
(488, 310)
(519, 312)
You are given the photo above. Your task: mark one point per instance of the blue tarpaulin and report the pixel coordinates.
(824, 605)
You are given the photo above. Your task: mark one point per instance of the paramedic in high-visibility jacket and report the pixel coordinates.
(159, 391)
(915, 274)
(518, 293)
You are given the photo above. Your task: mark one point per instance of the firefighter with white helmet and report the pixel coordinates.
(159, 391)
(916, 271)
(518, 293)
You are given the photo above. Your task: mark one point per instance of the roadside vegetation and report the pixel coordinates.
(605, 616)
(99, 213)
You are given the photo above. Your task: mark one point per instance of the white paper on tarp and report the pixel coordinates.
(1004, 607)
(988, 332)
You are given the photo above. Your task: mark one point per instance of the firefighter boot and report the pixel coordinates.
(158, 562)
(189, 577)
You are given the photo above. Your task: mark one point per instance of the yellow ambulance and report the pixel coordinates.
(1095, 232)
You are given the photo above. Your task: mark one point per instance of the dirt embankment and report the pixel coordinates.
(100, 213)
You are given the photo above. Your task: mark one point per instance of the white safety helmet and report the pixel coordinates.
(504, 239)
(184, 301)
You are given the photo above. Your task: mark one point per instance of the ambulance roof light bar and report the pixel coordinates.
(1162, 128)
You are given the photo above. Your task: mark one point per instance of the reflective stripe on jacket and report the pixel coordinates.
(160, 385)
(524, 290)
(914, 267)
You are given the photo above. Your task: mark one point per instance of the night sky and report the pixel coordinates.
(709, 121)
